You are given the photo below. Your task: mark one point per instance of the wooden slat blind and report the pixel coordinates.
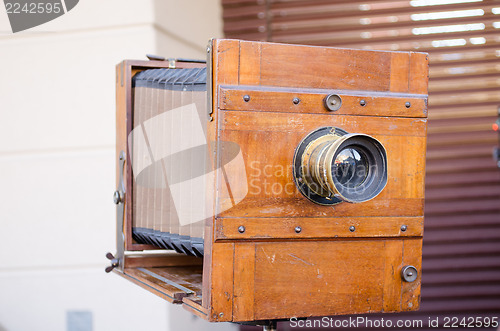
(462, 227)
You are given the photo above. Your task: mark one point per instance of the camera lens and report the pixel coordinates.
(350, 167)
(331, 166)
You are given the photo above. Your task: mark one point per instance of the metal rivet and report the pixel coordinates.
(241, 229)
(246, 98)
(296, 101)
(221, 314)
(404, 228)
(352, 228)
(407, 104)
(362, 103)
(298, 229)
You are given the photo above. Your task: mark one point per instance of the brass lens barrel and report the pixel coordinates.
(347, 167)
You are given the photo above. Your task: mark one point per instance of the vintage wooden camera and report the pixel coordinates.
(273, 181)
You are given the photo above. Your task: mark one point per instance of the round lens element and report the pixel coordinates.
(350, 167)
(331, 166)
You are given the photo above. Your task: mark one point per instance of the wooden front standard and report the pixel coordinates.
(269, 252)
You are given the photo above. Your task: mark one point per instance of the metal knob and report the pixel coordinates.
(117, 197)
(114, 263)
(332, 102)
(409, 273)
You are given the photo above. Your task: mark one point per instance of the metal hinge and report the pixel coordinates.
(119, 200)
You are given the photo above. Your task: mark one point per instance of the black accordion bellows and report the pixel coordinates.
(168, 151)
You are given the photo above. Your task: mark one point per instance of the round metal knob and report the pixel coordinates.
(116, 197)
(333, 102)
(409, 273)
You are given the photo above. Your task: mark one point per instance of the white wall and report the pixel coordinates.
(57, 133)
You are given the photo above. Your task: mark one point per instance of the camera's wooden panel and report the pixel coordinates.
(314, 278)
(264, 228)
(270, 271)
(276, 99)
(268, 145)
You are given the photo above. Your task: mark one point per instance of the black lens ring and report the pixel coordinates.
(297, 166)
(375, 180)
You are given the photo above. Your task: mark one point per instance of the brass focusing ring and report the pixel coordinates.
(318, 155)
(310, 168)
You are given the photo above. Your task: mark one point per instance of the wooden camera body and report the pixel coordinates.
(284, 240)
